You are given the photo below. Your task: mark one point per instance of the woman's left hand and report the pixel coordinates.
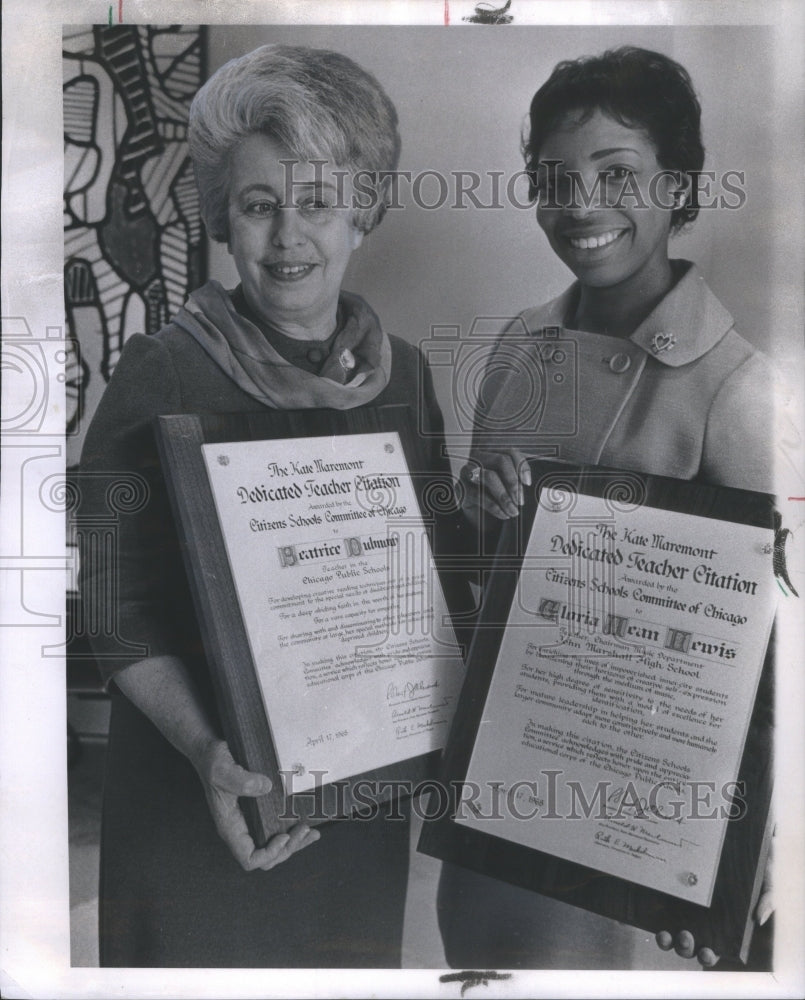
(224, 783)
(684, 944)
(494, 482)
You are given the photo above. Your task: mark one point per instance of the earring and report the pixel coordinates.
(679, 199)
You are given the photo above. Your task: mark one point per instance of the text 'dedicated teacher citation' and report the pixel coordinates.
(616, 717)
(344, 612)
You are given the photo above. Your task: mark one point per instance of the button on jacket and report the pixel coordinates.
(684, 396)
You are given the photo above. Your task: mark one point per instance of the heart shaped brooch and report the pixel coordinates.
(662, 342)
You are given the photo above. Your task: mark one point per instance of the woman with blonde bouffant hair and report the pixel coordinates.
(278, 139)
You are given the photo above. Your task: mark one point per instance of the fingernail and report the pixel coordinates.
(665, 940)
(764, 914)
(527, 476)
(685, 940)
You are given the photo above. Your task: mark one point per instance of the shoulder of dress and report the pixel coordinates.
(551, 313)
(402, 346)
(141, 349)
(172, 337)
(749, 383)
(171, 346)
(404, 354)
(743, 355)
(147, 344)
(147, 371)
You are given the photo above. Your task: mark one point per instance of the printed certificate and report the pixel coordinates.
(611, 746)
(343, 609)
(323, 616)
(622, 693)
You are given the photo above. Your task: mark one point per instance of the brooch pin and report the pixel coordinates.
(662, 342)
(347, 360)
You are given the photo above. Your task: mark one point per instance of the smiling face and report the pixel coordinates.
(291, 236)
(621, 234)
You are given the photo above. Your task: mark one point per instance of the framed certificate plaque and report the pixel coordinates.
(323, 617)
(612, 743)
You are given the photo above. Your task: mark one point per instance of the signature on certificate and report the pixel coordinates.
(409, 691)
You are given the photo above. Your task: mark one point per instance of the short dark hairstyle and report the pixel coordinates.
(638, 88)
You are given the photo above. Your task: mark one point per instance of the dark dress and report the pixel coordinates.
(171, 894)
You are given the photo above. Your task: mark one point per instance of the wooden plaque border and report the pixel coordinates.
(237, 690)
(726, 925)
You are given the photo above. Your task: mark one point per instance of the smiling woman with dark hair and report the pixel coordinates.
(277, 138)
(661, 383)
(638, 89)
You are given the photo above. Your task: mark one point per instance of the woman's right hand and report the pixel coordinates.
(494, 482)
(164, 690)
(224, 782)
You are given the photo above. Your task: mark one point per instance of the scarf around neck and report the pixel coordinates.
(243, 352)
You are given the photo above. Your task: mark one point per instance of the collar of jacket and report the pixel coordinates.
(685, 325)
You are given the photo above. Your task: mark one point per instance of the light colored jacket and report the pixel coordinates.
(684, 396)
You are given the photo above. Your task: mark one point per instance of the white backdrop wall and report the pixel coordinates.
(462, 97)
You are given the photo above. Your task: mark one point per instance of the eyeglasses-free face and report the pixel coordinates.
(605, 202)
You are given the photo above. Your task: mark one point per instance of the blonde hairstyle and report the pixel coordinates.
(318, 104)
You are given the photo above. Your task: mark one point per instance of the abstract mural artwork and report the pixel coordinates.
(133, 238)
